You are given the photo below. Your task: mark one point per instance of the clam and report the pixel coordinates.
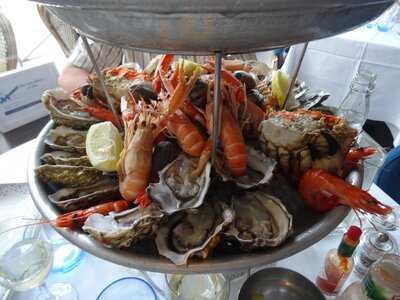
(259, 171)
(73, 198)
(125, 228)
(177, 189)
(261, 220)
(193, 233)
(65, 158)
(71, 176)
(66, 139)
(64, 111)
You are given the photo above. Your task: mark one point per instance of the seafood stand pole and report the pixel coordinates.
(203, 28)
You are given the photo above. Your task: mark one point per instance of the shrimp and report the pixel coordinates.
(322, 191)
(134, 165)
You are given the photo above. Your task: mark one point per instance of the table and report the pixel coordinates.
(15, 200)
(330, 64)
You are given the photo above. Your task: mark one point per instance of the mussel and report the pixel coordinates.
(247, 79)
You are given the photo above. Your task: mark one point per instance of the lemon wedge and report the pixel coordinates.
(189, 67)
(103, 146)
(280, 86)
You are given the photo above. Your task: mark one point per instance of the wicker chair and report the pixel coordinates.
(8, 46)
(64, 34)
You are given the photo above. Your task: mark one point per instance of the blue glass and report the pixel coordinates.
(128, 288)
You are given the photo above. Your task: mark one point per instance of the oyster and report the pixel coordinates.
(65, 158)
(73, 198)
(261, 220)
(66, 139)
(177, 190)
(71, 176)
(64, 111)
(193, 233)
(125, 228)
(259, 170)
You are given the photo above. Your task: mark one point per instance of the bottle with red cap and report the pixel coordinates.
(338, 263)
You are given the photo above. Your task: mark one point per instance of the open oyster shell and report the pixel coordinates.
(193, 233)
(71, 176)
(70, 199)
(65, 158)
(125, 228)
(176, 190)
(261, 220)
(66, 139)
(260, 170)
(64, 111)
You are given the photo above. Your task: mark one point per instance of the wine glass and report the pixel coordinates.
(197, 286)
(128, 288)
(26, 260)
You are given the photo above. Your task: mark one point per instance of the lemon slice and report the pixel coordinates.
(103, 146)
(189, 67)
(280, 86)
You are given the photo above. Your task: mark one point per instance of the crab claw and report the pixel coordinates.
(322, 191)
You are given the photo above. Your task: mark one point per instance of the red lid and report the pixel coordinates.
(354, 233)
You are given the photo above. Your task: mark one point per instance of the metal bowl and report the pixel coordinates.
(279, 283)
(203, 27)
(309, 229)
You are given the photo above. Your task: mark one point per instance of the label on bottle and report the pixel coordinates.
(376, 292)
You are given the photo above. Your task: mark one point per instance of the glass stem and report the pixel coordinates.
(45, 292)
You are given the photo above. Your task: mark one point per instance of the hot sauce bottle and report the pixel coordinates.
(338, 263)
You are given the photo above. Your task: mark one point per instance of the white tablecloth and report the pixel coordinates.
(330, 64)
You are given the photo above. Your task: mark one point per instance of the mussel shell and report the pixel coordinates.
(260, 170)
(64, 111)
(71, 176)
(189, 194)
(65, 158)
(261, 220)
(198, 95)
(123, 229)
(165, 245)
(255, 96)
(164, 153)
(142, 90)
(70, 199)
(247, 79)
(66, 139)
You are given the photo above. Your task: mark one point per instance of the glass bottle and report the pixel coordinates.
(381, 283)
(355, 105)
(338, 263)
(373, 246)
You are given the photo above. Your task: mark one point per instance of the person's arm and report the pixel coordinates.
(75, 73)
(72, 77)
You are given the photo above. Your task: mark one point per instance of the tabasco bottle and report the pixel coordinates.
(338, 263)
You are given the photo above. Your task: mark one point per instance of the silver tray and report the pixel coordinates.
(206, 26)
(309, 229)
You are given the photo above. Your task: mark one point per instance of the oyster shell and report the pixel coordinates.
(176, 190)
(65, 158)
(66, 139)
(64, 111)
(261, 220)
(193, 233)
(71, 176)
(125, 228)
(260, 170)
(70, 198)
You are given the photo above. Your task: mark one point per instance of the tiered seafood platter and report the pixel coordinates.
(277, 185)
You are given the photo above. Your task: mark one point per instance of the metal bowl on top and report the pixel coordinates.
(203, 27)
(309, 228)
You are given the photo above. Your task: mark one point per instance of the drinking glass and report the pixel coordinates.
(26, 260)
(128, 288)
(197, 286)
